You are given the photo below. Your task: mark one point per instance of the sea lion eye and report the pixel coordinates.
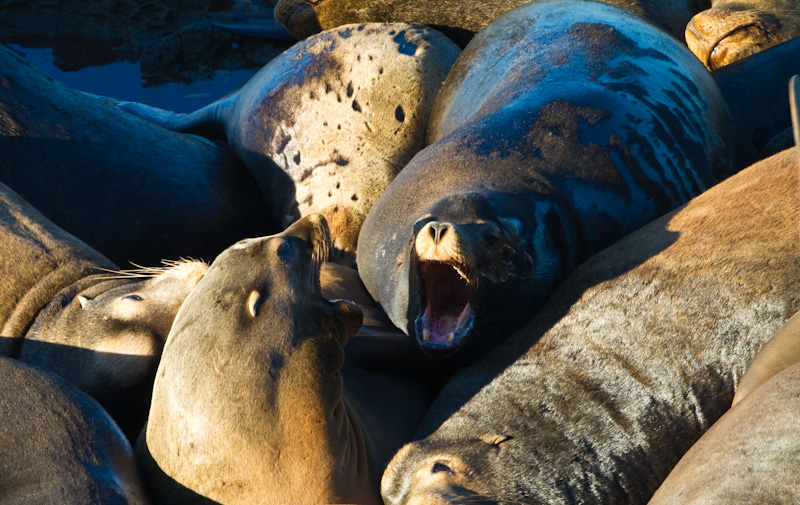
(133, 297)
(284, 250)
(441, 467)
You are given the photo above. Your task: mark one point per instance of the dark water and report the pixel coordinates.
(123, 81)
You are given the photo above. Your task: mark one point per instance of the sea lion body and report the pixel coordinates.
(63, 310)
(58, 446)
(249, 405)
(124, 187)
(545, 149)
(633, 358)
(748, 456)
(454, 18)
(325, 126)
(734, 29)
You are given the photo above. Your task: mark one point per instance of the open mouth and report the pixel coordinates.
(448, 316)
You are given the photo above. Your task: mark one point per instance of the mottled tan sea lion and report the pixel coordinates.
(734, 29)
(326, 125)
(58, 446)
(563, 126)
(629, 362)
(253, 400)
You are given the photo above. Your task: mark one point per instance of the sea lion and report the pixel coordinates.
(749, 456)
(630, 361)
(126, 188)
(59, 311)
(325, 126)
(733, 29)
(58, 445)
(540, 156)
(458, 20)
(252, 402)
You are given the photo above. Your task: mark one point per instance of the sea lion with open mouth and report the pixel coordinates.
(253, 402)
(562, 127)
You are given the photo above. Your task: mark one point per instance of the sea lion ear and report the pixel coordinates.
(496, 439)
(83, 300)
(254, 301)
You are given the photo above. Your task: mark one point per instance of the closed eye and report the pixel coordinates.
(133, 297)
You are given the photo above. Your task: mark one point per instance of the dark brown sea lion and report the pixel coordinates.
(748, 457)
(252, 402)
(58, 446)
(60, 312)
(458, 20)
(540, 157)
(734, 29)
(325, 126)
(125, 187)
(629, 362)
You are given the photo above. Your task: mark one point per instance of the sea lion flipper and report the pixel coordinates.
(261, 26)
(794, 93)
(205, 121)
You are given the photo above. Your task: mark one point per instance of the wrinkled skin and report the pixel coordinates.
(253, 402)
(631, 360)
(734, 29)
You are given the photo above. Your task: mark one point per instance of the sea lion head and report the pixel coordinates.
(429, 472)
(731, 30)
(121, 318)
(298, 16)
(467, 258)
(250, 379)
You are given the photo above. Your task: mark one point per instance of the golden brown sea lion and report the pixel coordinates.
(252, 402)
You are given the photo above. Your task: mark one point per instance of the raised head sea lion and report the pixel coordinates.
(59, 311)
(749, 456)
(628, 363)
(125, 187)
(58, 446)
(541, 156)
(325, 126)
(733, 29)
(458, 20)
(252, 402)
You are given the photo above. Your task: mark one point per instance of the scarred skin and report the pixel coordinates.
(734, 29)
(253, 402)
(325, 126)
(455, 18)
(539, 157)
(631, 360)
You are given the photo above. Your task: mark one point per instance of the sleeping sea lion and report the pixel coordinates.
(126, 188)
(629, 362)
(58, 445)
(733, 29)
(325, 126)
(458, 20)
(748, 457)
(252, 402)
(563, 126)
(59, 312)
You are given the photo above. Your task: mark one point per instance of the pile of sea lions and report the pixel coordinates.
(525, 252)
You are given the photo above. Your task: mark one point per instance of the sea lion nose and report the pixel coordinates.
(437, 231)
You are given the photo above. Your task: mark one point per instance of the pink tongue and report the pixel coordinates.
(442, 329)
